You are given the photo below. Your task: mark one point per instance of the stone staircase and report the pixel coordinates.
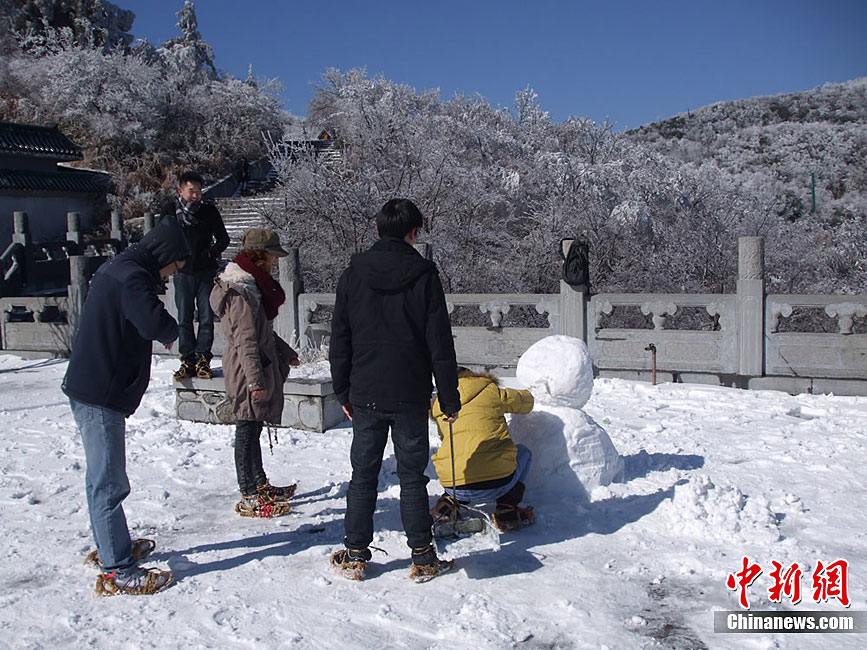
(241, 213)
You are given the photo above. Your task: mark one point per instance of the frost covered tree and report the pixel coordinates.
(501, 188)
(189, 55)
(141, 113)
(800, 156)
(91, 23)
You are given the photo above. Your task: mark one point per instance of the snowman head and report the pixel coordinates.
(558, 371)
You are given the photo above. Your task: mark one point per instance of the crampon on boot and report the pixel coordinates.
(187, 370)
(140, 582)
(427, 566)
(277, 493)
(453, 519)
(141, 548)
(351, 563)
(261, 505)
(203, 367)
(508, 517)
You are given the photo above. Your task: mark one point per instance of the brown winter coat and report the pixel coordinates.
(255, 357)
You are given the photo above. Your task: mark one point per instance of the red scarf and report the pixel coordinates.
(272, 293)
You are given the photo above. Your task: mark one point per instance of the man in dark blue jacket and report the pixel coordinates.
(108, 373)
(391, 331)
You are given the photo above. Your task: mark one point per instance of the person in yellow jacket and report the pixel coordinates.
(489, 466)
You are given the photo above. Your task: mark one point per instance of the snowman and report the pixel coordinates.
(572, 454)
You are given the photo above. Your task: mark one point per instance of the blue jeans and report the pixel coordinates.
(492, 494)
(103, 432)
(193, 293)
(411, 449)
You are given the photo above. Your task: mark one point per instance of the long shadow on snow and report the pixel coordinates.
(269, 545)
(641, 464)
(565, 512)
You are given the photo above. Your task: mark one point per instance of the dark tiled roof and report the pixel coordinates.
(59, 181)
(41, 141)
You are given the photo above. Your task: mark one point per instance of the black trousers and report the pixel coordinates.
(411, 448)
(248, 456)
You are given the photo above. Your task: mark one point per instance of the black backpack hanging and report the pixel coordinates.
(576, 263)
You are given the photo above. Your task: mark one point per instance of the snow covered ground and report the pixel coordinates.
(711, 474)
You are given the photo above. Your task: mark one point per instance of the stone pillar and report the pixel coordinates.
(77, 292)
(171, 307)
(21, 229)
(425, 250)
(573, 312)
(116, 226)
(751, 306)
(148, 222)
(73, 227)
(289, 274)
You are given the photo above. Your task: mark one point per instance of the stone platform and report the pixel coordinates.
(308, 404)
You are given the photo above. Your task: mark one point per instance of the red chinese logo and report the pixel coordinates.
(828, 582)
(831, 581)
(743, 579)
(786, 583)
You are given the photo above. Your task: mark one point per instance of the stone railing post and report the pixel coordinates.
(170, 304)
(751, 306)
(573, 312)
(21, 229)
(116, 226)
(289, 273)
(77, 293)
(73, 227)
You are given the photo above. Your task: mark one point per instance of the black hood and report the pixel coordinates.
(391, 265)
(166, 243)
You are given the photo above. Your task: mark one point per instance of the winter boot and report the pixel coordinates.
(186, 370)
(351, 563)
(141, 548)
(277, 493)
(508, 517)
(136, 582)
(203, 367)
(427, 566)
(261, 505)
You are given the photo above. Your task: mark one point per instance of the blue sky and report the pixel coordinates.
(630, 62)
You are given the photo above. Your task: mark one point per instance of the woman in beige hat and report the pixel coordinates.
(255, 364)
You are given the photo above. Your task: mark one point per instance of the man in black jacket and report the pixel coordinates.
(108, 373)
(390, 330)
(207, 239)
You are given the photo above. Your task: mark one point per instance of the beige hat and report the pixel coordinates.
(263, 239)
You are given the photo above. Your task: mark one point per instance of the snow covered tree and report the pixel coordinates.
(189, 53)
(91, 23)
(140, 113)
